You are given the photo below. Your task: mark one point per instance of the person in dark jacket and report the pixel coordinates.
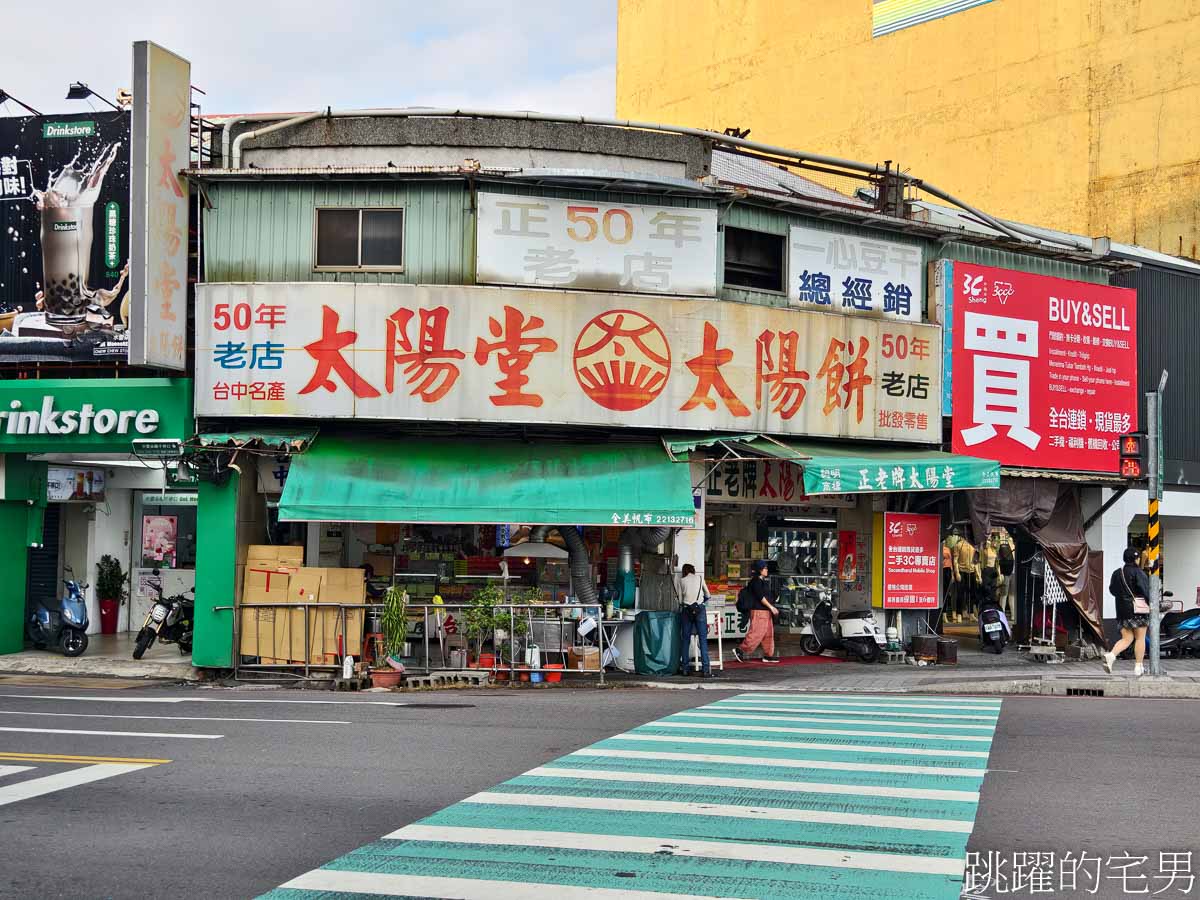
(762, 618)
(1131, 589)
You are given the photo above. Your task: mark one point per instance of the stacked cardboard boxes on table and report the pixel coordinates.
(276, 634)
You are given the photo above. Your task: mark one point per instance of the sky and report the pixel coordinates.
(274, 56)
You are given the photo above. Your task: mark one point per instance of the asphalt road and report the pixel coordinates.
(212, 793)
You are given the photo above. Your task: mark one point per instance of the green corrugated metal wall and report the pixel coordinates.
(264, 231)
(1036, 265)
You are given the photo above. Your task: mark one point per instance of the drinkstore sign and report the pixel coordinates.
(65, 415)
(1044, 369)
(507, 355)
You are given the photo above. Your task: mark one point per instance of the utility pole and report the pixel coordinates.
(1153, 527)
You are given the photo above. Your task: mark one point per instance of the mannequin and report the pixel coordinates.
(951, 576)
(967, 559)
(1006, 558)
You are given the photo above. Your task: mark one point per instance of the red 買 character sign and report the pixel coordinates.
(428, 366)
(514, 351)
(707, 369)
(787, 383)
(327, 351)
(834, 371)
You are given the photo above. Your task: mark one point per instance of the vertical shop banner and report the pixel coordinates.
(852, 274)
(847, 566)
(596, 246)
(161, 148)
(912, 559)
(64, 237)
(1044, 369)
(505, 355)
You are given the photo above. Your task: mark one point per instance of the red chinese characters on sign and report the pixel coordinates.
(707, 369)
(1044, 369)
(786, 382)
(911, 561)
(428, 362)
(845, 372)
(327, 351)
(780, 480)
(622, 360)
(514, 348)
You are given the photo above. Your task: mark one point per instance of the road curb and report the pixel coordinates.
(1072, 686)
(112, 668)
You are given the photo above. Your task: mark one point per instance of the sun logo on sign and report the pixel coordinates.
(622, 360)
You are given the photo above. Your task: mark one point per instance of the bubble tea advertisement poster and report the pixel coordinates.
(64, 237)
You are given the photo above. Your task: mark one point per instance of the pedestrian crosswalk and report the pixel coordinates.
(758, 795)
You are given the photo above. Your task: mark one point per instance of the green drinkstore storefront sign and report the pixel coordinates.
(91, 420)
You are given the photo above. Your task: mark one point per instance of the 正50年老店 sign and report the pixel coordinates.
(507, 355)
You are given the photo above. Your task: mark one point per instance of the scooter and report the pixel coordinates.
(169, 620)
(1179, 632)
(994, 630)
(854, 631)
(65, 627)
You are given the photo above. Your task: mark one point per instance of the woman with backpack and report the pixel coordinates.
(762, 617)
(1131, 589)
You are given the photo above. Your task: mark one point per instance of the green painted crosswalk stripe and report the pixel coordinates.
(760, 795)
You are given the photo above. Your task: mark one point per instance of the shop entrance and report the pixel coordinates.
(42, 578)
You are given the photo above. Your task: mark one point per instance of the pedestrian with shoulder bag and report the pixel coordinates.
(693, 619)
(1131, 589)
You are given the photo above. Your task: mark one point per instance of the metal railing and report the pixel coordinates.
(348, 631)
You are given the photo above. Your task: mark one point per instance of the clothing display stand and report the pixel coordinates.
(1044, 647)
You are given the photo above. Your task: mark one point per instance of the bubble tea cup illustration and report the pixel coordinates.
(66, 210)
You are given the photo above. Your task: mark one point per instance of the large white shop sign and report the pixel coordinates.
(477, 354)
(853, 274)
(586, 245)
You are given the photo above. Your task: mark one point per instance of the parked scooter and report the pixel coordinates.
(854, 631)
(66, 627)
(994, 630)
(1179, 631)
(169, 620)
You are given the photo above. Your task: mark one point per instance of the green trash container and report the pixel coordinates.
(656, 643)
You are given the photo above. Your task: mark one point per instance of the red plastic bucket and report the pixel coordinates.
(486, 661)
(554, 676)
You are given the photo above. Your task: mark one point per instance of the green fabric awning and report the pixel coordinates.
(344, 479)
(842, 468)
(284, 439)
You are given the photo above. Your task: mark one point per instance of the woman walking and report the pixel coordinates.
(1131, 589)
(762, 619)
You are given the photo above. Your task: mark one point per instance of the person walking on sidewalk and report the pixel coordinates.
(762, 619)
(693, 619)
(1131, 589)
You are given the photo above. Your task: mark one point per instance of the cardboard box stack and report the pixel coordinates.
(276, 635)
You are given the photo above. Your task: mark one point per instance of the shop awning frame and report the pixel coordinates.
(887, 468)
(448, 481)
(271, 440)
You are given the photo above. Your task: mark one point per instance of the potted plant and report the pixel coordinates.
(110, 590)
(395, 635)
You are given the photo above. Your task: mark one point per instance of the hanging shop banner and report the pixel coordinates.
(847, 557)
(596, 246)
(159, 265)
(501, 355)
(763, 482)
(853, 274)
(911, 561)
(73, 485)
(64, 237)
(1044, 369)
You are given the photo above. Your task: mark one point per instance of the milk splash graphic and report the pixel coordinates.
(66, 208)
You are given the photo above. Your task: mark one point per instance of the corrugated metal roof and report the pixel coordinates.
(762, 177)
(1075, 477)
(950, 217)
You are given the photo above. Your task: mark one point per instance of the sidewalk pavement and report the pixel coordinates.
(109, 655)
(1011, 674)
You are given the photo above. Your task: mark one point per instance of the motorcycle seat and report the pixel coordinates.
(853, 614)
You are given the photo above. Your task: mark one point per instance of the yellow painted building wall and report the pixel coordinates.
(1077, 114)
